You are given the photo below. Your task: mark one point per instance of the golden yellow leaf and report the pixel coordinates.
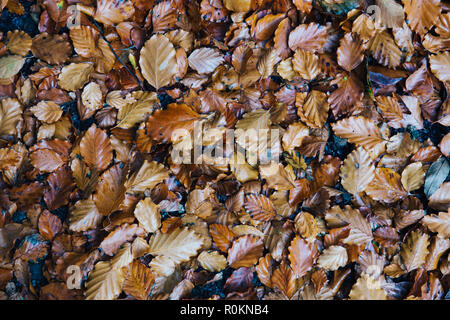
(147, 177)
(212, 261)
(10, 114)
(84, 216)
(238, 5)
(314, 111)
(19, 42)
(413, 176)
(136, 111)
(367, 288)
(74, 76)
(306, 64)
(147, 213)
(364, 26)
(286, 70)
(439, 223)
(47, 111)
(386, 186)
(306, 225)
(357, 171)
(414, 250)
(179, 245)
(106, 280)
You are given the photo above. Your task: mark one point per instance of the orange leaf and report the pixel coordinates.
(96, 149)
(163, 123)
(302, 256)
(222, 236)
(245, 251)
(260, 207)
(49, 225)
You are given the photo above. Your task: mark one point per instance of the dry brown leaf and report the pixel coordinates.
(350, 53)
(245, 251)
(205, 60)
(96, 149)
(74, 76)
(414, 250)
(386, 186)
(147, 213)
(357, 171)
(138, 280)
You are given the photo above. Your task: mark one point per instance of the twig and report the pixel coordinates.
(115, 54)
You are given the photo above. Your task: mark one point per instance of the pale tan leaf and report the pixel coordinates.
(357, 171)
(148, 176)
(386, 186)
(84, 216)
(440, 65)
(106, 280)
(439, 223)
(367, 288)
(74, 76)
(306, 64)
(205, 60)
(314, 111)
(413, 176)
(359, 130)
(92, 96)
(333, 258)
(179, 245)
(10, 66)
(10, 114)
(414, 250)
(212, 261)
(147, 213)
(157, 61)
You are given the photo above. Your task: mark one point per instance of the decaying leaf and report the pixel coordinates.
(224, 149)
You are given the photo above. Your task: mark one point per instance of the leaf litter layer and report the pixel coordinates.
(94, 206)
